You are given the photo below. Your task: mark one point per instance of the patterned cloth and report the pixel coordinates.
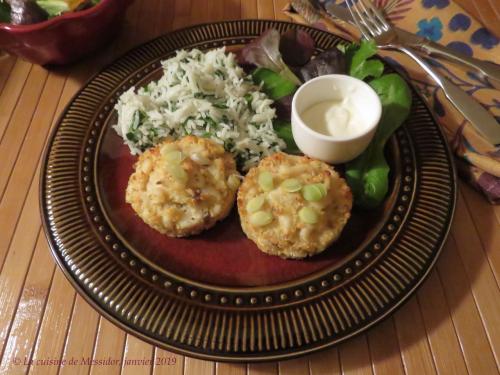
(442, 21)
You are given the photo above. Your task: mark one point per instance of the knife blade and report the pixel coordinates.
(428, 47)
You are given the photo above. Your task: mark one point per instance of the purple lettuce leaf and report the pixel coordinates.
(331, 61)
(296, 47)
(264, 52)
(283, 107)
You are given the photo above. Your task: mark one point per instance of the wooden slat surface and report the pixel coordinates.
(450, 326)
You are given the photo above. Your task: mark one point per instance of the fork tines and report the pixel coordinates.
(368, 19)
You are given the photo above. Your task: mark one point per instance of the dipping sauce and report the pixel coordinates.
(334, 118)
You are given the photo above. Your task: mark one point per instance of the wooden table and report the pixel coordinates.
(450, 326)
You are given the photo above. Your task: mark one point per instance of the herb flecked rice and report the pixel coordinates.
(203, 94)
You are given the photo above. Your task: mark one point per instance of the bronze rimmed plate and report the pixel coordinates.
(215, 296)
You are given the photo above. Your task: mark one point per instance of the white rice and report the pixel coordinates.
(204, 94)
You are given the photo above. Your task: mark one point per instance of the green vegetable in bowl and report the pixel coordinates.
(368, 174)
(53, 7)
(25, 12)
(4, 12)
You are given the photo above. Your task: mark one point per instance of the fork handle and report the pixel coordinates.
(474, 112)
(484, 68)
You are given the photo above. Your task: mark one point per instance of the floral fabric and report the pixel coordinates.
(445, 22)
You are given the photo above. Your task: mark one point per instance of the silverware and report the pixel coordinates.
(429, 48)
(373, 25)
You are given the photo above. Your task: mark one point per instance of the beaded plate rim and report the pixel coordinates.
(291, 302)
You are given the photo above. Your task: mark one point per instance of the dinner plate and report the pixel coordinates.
(216, 296)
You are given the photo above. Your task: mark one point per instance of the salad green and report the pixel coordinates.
(273, 84)
(4, 12)
(368, 174)
(53, 7)
(359, 64)
(283, 129)
(24, 12)
(264, 52)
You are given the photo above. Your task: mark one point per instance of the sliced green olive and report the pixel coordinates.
(234, 181)
(291, 185)
(174, 156)
(312, 193)
(261, 218)
(198, 158)
(266, 181)
(308, 215)
(168, 148)
(178, 173)
(255, 204)
(322, 187)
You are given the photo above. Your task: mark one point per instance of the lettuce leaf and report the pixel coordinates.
(368, 174)
(4, 12)
(264, 53)
(359, 63)
(53, 7)
(296, 47)
(273, 84)
(284, 130)
(279, 89)
(331, 61)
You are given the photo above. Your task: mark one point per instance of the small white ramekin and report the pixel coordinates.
(333, 149)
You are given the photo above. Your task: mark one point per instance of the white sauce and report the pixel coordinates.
(336, 118)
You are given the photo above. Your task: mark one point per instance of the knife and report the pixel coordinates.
(428, 47)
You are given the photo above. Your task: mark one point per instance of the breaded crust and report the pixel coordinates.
(287, 235)
(183, 187)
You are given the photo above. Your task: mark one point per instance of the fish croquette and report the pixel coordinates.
(293, 206)
(183, 187)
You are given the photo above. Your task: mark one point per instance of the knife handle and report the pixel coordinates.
(484, 68)
(479, 117)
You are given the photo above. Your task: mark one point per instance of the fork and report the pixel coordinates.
(373, 26)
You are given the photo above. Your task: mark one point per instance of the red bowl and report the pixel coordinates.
(65, 38)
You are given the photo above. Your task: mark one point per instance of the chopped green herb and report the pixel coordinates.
(211, 122)
(219, 73)
(132, 137)
(249, 98)
(153, 132)
(225, 119)
(136, 120)
(228, 146)
(220, 105)
(202, 95)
